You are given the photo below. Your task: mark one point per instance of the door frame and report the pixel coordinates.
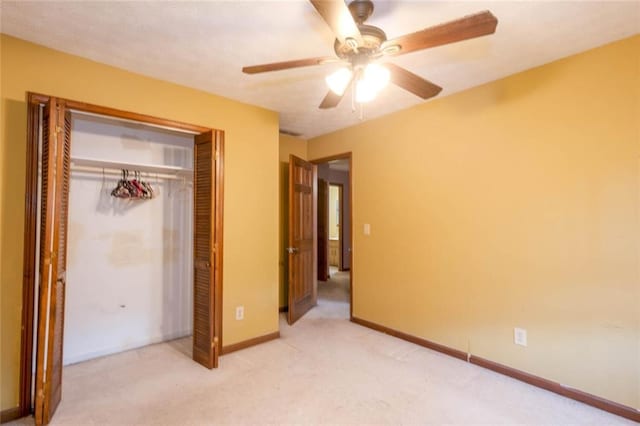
(34, 101)
(349, 157)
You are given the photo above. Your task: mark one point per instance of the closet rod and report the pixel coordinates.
(118, 172)
(148, 168)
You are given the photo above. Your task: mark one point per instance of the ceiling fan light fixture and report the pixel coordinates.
(339, 80)
(373, 79)
(376, 76)
(365, 91)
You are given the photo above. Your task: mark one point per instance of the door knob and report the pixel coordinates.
(292, 250)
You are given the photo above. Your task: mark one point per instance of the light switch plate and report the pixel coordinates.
(520, 336)
(367, 229)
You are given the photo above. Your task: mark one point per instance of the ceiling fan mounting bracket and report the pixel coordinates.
(361, 10)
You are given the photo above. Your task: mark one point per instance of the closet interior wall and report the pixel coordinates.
(129, 262)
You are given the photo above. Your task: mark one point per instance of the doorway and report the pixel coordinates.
(334, 236)
(336, 208)
(310, 280)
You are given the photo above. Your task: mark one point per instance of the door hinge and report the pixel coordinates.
(217, 155)
(58, 129)
(214, 343)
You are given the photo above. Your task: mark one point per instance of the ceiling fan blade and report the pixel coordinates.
(411, 82)
(332, 100)
(471, 26)
(337, 15)
(277, 66)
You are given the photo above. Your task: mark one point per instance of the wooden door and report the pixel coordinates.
(56, 149)
(303, 290)
(206, 258)
(323, 230)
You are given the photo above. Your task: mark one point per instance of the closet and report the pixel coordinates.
(123, 239)
(129, 237)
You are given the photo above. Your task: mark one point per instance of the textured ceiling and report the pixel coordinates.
(205, 44)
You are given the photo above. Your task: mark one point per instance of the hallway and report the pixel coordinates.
(334, 294)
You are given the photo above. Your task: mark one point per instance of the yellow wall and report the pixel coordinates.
(298, 147)
(251, 179)
(514, 204)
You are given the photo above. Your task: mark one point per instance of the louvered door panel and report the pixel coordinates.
(56, 317)
(46, 172)
(56, 145)
(205, 343)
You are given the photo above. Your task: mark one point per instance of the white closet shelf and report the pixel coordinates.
(140, 167)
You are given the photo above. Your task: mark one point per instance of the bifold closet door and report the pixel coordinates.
(56, 148)
(206, 258)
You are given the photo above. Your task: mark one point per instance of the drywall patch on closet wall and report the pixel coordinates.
(129, 276)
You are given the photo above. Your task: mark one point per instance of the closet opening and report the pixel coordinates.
(123, 241)
(129, 237)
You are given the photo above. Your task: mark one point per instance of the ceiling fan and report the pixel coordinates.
(360, 46)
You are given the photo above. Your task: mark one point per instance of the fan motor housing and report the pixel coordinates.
(372, 38)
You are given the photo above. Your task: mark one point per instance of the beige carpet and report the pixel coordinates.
(324, 369)
(336, 291)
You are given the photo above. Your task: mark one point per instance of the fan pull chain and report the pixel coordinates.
(353, 97)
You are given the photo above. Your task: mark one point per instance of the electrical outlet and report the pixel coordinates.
(239, 312)
(520, 336)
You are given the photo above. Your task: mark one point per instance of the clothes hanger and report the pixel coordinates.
(121, 190)
(147, 186)
(182, 188)
(140, 191)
